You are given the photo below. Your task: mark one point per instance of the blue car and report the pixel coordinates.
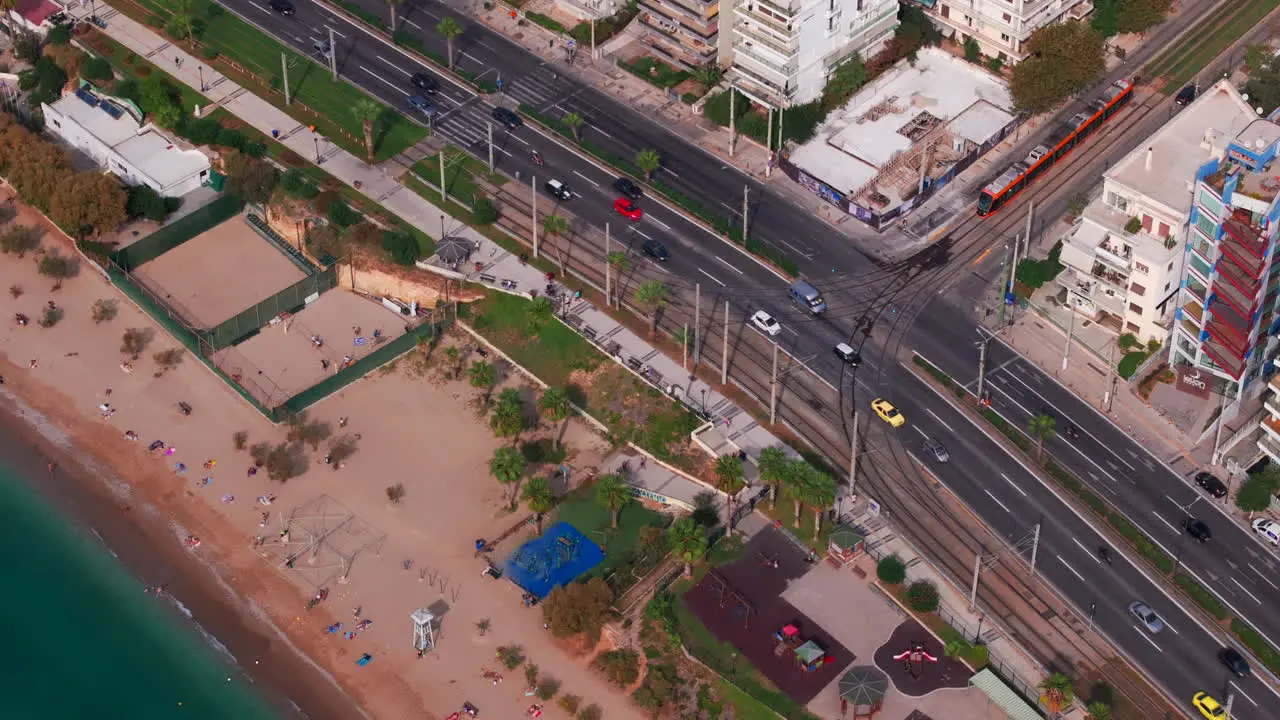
(423, 105)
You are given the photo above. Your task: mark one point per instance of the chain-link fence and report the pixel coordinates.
(245, 324)
(176, 233)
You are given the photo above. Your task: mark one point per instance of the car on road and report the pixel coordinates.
(1185, 95)
(1197, 529)
(507, 117)
(937, 450)
(1145, 615)
(628, 188)
(888, 412)
(848, 355)
(425, 83)
(423, 105)
(627, 209)
(655, 250)
(1268, 529)
(1208, 707)
(1234, 661)
(558, 190)
(284, 7)
(765, 322)
(1211, 484)
(321, 46)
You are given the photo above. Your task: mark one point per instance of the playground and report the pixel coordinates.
(556, 558)
(741, 604)
(916, 662)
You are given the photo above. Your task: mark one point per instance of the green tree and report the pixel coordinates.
(367, 112)
(1098, 711)
(1041, 428)
(1063, 59)
(615, 494)
(648, 161)
(688, 541)
(773, 464)
(538, 496)
(708, 75)
(507, 420)
(250, 178)
(1106, 17)
(88, 204)
(451, 29)
(819, 495)
(1257, 491)
(507, 467)
(537, 314)
(400, 246)
(1263, 85)
(844, 82)
(574, 122)
(483, 211)
(1058, 692)
(731, 477)
(555, 405)
(481, 377)
(972, 52)
(796, 480)
(654, 296)
(556, 226)
(1141, 15)
(620, 261)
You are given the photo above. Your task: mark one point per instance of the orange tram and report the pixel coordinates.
(1056, 147)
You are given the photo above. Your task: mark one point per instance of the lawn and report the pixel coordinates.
(1210, 47)
(627, 555)
(784, 513)
(655, 72)
(255, 58)
(551, 353)
(460, 172)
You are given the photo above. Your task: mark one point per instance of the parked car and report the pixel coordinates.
(1185, 95)
(425, 83)
(628, 188)
(1211, 484)
(765, 322)
(559, 190)
(1234, 661)
(627, 209)
(507, 118)
(848, 355)
(888, 413)
(1268, 529)
(937, 450)
(655, 250)
(284, 7)
(423, 105)
(1145, 615)
(1197, 529)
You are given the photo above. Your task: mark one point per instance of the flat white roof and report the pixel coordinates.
(1178, 149)
(143, 147)
(866, 132)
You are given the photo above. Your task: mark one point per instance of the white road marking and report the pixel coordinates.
(671, 173)
(257, 6)
(335, 32)
(940, 420)
(660, 223)
(923, 434)
(1237, 689)
(727, 264)
(1086, 550)
(1166, 522)
(1024, 492)
(596, 129)
(413, 23)
(1068, 419)
(1169, 627)
(385, 81)
(642, 234)
(517, 137)
(1145, 636)
(584, 177)
(395, 67)
(486, 47)
(1265, 579)
(704, 272)
(1067, 565)
(473, 57)
(1002, 505)
(1246, 591)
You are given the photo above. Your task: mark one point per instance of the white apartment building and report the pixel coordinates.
(1124, 256)
(1001, 27)
(783, 51)
(110, 134)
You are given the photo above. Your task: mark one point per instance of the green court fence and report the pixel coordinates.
(177, 232)
(245, 324)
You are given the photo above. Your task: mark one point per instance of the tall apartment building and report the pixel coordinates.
(1227, 322)
(1001, 27)
(1125, 253)
(783, 51)
(685, 33)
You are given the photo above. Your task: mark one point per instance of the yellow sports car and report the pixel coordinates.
(1208, 707)
(888, 412)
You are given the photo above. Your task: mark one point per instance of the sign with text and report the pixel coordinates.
(1192, 381)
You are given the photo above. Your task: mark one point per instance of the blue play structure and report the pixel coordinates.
(555, 559)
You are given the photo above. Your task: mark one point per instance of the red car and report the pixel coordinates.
(627, 209)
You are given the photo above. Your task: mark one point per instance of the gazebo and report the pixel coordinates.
(845, 545)
(863, 689)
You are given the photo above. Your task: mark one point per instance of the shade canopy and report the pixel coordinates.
(864, 685)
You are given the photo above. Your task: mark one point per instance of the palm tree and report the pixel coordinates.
(538, 314)
(1042, 427)
(451, 29)
(538, 496)
(773, 469)
(481, 376)
(555, 226)
(614, 494)
(391, 5)
(688, 541)
(508, 416)
(708, 75)
(507, 466)
(555, 404)
(574, 122)
(648, 161)
(454, 355)
(1098, 711)
(819, 494)
(185, 18)
(795, 481)
(653, 295)
(367, 111)
(732, 476)
(620, 261)
(1058, 692)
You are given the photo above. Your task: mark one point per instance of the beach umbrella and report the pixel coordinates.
(864, 686)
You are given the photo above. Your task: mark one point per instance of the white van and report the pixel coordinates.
(1268, 529)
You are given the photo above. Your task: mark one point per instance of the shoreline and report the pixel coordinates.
(141, 538)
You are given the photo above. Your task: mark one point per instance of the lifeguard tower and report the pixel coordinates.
(424, 630)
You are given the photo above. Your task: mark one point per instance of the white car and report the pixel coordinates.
(1268, 529)
(765, 322)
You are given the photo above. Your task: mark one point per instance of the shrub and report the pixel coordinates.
(1257, 643)
(202, 131)
(104, 310)
(580, 607)
(240, 439)
(891, 570)
(395, 493)
(59, 35)
(511, 656)
(209, 53)
(484, 212)
(547, 688)
(135, 341)
(56, 265)
(591, 712)
(141, 201)
(52, 315)
(570, 703)
(621, 667)
(341, 214)
(922, 596)
(96, 69)
(1127, 341)
(401, 246)
(1133, 226)
(231, 138)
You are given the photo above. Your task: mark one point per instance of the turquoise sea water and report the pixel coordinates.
(79, 639)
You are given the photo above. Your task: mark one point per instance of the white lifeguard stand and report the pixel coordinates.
(424, 634)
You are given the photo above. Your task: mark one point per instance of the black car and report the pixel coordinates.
(1185, 95)
(1211, 484)
(1196, 528)
(425, 83)
(1234, 661)
(284, 7)
(655, 250)
(507, 117)
(628, 188)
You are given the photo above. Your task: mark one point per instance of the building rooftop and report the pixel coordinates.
(1106, 225)
(142, 146)
(36, 11)
(938, 94)
(1164, 168)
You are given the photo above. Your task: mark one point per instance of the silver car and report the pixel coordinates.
(937, 450)
(1146, 616)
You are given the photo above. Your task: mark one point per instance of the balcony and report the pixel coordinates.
(1111, 277)
(1271, 424)
(752, 29)
(1195, 312)
(1226, 292)
(1080, 11)
(1115, 254)
(1243, 242)
(781, 12)
(1223, 359)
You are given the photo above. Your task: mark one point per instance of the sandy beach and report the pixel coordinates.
(69, 397)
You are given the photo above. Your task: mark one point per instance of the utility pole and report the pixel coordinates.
(1030, 209)
(724, 353)
(733, 135)
(773, 388)
(1035, 547)
(1111, 378)
(697, 322)
(982, 367)
(442, 194)
(684, 359)
(1217, 435)
(608, 292)
(333, 56)
(973, 588)
(1071, 328)
(768, 168)
(1093, 609)
(1013, 264)
(746, 192)
(593, 37)
(533, 185)
(490, 126)
(780, 128)
(284, 71)
(853, 454)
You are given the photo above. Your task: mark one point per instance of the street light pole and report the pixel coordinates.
(333, 56)
(319, 159)
(284, 69)
(853, 454)
(490, 127)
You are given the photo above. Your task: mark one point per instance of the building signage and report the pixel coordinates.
(651, 495)
(1192, 380)
(1242, 158)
